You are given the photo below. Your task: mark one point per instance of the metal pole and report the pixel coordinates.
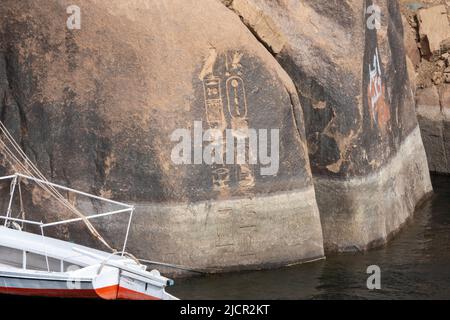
(7, 177)
(128, 231)
(21, 220)
(11, 196)
(45, 248)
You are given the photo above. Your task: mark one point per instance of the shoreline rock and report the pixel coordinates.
(368, 210)
(359, 112)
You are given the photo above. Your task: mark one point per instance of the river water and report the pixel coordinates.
(415, 265)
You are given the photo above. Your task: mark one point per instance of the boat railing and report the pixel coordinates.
(126, 208)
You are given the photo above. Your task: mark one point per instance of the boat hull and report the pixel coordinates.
(66, 288)
(46, 287)
(72, 271)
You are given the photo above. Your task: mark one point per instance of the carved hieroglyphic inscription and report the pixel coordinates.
(237, 110)
(247, 227)
(224, 224)
(213, 102)
(237, 231)
(237, 100)
(230, 114)
(215, 118)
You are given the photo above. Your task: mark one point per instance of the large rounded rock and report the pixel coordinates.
(365, 148)
(96, 108)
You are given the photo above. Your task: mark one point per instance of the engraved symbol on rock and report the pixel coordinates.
(213, 93)
(215, 115)
(238, 110)
(214, 104)
(247, 228)
(221, 177)
(224, 227)
(237, 100)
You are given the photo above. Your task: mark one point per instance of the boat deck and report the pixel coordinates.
(8, 267)
(57, 249)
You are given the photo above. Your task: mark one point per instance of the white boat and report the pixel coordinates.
(72, 271)
(36, 265)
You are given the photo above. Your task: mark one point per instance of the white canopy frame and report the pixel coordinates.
(15, 180)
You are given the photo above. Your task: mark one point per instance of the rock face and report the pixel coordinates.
(433, 111)
(433, 78)
(367, 157)
(96, 107)
(103, 108)
(433, 28)
(412, 52)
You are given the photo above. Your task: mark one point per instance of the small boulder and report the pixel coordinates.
(441, 64)
(433, 28)
(438, 77)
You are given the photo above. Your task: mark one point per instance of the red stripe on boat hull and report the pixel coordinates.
(127, 294)
(121, 293)
(108, 293)
(52, 293)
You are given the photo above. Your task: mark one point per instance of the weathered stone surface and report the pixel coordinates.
(434, 119)
(412, 52)
(428, 98)
(447, 77)
(359, 111)
(445, 45)
(368, 210)
(95, 109)
(434, 27)
(411, 49)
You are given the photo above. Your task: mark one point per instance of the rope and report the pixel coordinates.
(173, 266)
(27, 167)
(30, 164)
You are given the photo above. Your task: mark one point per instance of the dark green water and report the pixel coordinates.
(415, 265)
